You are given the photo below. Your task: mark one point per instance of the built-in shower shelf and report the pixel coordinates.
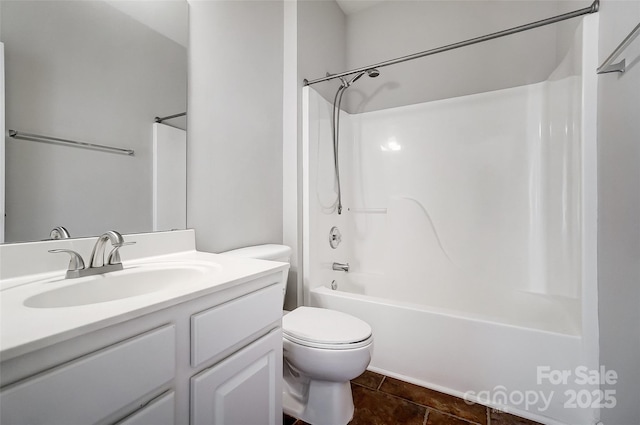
(368, 210)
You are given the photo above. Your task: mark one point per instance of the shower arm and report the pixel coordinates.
(585, 11)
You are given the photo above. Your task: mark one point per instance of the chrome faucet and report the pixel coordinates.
(59, 232)
(97, 255)
(341, 267)
(96, 264)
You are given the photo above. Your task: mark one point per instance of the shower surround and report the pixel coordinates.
(469, 227)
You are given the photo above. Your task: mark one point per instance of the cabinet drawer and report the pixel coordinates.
(221, 327)
(160, 411)
(92, 387)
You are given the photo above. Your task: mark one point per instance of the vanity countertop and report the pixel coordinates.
(24, 329)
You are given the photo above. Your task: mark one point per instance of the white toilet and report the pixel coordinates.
(323, 351)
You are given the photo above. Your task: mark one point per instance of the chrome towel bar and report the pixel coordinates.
(54, 140)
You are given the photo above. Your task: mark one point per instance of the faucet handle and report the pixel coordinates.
(75, 262)
(114, 255)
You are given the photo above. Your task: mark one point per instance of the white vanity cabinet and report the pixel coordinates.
(215, 359)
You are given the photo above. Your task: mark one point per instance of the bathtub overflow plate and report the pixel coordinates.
(335, 237)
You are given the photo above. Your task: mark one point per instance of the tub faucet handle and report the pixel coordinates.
(341, 267)
(335, 237)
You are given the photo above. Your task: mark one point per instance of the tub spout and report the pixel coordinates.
(341, 267)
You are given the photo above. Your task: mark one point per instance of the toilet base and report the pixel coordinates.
(322, 402)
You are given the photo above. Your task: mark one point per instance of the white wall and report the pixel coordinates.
(70, 75)
(619, 212)
(397, 28)
(314, 42)
(235, 121)
(291, 234)
(322, 36)
(166, 17)
(3, 159)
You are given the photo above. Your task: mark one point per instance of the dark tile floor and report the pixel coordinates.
(381, 400)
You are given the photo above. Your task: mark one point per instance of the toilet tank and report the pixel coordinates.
(271, 252)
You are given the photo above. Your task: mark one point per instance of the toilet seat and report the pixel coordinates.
(325, 329)
(325, 346)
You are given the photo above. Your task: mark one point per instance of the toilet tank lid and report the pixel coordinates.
(262, 252)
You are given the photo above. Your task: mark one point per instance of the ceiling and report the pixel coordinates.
(166, 17)
(353, 6)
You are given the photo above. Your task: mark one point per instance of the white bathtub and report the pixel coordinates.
(476, 350)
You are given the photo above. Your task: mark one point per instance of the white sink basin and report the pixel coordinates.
(130, 282)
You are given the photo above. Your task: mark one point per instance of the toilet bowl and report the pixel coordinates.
(322, 351)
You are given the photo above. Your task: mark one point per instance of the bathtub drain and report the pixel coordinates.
(334, 285)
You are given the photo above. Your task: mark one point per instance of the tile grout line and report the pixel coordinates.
(427, 407)
(424, 406)
(470, 422)
(451, 415)
(426, 416)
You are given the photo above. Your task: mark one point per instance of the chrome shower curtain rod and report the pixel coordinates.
(587, 10)
(160, 119)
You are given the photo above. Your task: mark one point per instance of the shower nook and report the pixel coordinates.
(468, 225)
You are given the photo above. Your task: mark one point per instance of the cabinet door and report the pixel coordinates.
(243, 389)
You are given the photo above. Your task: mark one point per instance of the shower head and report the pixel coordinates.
(373, 73)
(370, 72)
